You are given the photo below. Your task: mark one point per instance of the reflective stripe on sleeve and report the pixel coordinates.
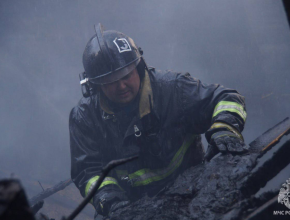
(147, 176)
(92, 182)
(230, 128)
(231, 107)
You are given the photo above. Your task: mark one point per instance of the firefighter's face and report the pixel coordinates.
(124, 90)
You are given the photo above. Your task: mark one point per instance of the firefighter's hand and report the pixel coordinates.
(115, 206)
(225, 142)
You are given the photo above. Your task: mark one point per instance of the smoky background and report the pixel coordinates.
(243, 45)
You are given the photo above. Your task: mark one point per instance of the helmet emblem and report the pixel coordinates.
(122, 45)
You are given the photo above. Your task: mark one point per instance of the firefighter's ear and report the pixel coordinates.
(87, 87)
(84, 84)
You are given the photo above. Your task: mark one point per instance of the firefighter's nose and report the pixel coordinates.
(121, 85)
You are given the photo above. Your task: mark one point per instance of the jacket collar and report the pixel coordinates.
(145, 102)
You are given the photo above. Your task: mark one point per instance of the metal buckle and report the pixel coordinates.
(129, 181)
(137, 131)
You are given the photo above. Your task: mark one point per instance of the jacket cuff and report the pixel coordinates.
(107, 181)
(106, 197)
(221, 126)
(230, 119)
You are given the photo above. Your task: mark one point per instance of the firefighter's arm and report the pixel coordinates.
(217, 111)
(86, 162)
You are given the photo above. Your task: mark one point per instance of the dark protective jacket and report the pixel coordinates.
(173, 110)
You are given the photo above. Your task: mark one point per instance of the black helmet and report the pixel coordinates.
(109, 56)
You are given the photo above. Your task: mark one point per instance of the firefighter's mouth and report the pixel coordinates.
(124, 94)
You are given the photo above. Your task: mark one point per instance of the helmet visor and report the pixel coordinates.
(114, 75)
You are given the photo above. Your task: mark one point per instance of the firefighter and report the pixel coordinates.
(131, 109)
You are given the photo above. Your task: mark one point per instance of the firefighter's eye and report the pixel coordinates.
(127, 76)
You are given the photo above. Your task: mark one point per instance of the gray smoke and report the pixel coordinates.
(241, 44)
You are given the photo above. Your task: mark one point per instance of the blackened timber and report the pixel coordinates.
(49, 191)
(213, 190)
(269, 138)
(105, 172)
(266, 169)
(35, 208)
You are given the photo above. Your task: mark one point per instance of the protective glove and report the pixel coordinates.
(106, 203)
(115, 206)
(225, 141)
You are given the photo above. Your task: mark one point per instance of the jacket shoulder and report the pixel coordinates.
(164, 76)
(83, 109)
(169, 77)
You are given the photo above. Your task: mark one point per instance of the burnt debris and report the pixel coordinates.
(223, 188)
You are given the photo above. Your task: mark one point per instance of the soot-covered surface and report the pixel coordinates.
(217, 189)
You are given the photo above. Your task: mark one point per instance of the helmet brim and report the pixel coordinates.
(115, 75)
